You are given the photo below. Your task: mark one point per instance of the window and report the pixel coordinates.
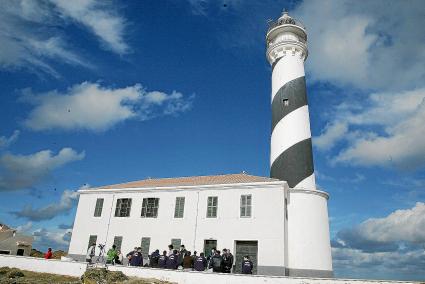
(92, 239)
(176, 243)
(246, 201)
(123, 207)
(118, 242)
(150, 207)
(146, 242)
(179, 209)
(212, 207)
(98, 208)
(285, 102)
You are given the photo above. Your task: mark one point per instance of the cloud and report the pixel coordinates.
(366, 46)
(79, 107)
(331, 135)
(56, 239)
(386, 129)
(99, 18)
(392, 243)
(66, 203)
(23, 171)
(7, 141)
(32, 37)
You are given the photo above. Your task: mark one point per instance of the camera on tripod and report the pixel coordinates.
(100, 246)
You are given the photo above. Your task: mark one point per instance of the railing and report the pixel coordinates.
(279, 22)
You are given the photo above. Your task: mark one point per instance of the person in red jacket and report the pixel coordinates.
(48, 254)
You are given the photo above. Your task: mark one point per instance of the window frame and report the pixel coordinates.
(119, 208)
(179, 207)
(151, 210)
(212, 210)
(98, 208)
(245, 206)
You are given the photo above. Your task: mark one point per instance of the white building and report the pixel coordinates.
(281, 222)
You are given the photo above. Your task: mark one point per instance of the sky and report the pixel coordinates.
(102, 92)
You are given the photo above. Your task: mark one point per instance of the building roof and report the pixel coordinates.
(191, 181)
(4, 228)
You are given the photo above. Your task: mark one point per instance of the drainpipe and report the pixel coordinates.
(109, 221)
(196, 221)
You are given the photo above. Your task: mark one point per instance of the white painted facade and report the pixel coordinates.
(266, 225)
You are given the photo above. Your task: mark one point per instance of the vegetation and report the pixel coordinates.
(55, 255)
(91, 276)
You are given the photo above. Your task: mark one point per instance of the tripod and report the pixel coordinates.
(101, 256)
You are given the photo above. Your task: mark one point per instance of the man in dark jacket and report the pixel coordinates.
(154, 258)
(162, 261)
(188, 261)
(172, 261)
(181, 254)
(137, 258)
(216, 262)
(247, 265)
(200, 263)
(227, 261)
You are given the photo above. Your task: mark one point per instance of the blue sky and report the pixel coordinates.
(96, 92)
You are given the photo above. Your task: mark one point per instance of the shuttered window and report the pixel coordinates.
(145, 244)
(118, 242)
(179, 209)
(176, 243)
(212, 206)
(98, 208)
(92, 240)
(246, 204)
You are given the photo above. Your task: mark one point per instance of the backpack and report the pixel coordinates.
(216, 262)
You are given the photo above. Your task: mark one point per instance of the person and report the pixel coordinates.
(170, 249)
(137, 258)
(154, 258)
(216, 262)
(187, 261)
(182, 254)
(128, 255)
(119, 258)
(162, 261)
(227, 261)
(91, 252)
(212, 253)
(111, 255)
(247, 265)
(48, 254)
(200, 263)
(172, 261)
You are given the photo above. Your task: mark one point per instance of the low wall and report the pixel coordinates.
(73, 268)
(55, 266)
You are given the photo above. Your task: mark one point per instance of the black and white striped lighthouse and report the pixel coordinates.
(291, 157)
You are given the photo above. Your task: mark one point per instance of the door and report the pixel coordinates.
(244, 248)
(208, 246)
(20, 252)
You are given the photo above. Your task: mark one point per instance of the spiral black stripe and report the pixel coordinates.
(295, 92)
(294, 164)
(274, 63)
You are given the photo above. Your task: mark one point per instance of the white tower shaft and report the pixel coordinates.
(291, 155)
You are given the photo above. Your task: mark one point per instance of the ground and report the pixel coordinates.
(92, 276)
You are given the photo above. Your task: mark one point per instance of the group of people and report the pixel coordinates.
(177, 259)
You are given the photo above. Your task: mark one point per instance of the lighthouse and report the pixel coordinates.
(291, 155)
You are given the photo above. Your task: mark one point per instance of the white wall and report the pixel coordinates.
(44, 265)
(266, 224)
(308, 230)
(77, 269)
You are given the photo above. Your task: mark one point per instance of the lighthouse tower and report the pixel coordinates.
(291, 155)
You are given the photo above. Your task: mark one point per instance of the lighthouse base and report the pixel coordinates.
(309, 273)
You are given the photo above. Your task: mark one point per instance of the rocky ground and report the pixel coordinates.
(92, 276)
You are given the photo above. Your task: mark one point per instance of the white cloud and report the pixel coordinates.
(367, 45)
(66, 203)
(55, 238)
(332, 134)
(93, 107)
(24, 171)
(386, 131)
(99, 18)
(391, 244)
(31, 32)
(7, 141)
